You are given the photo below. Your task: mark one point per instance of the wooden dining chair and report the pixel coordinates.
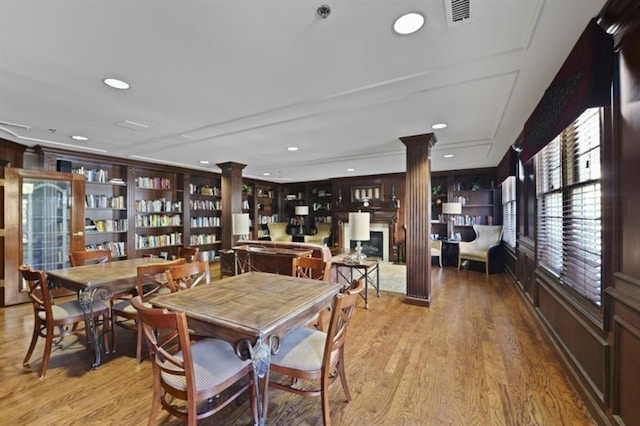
(313, 268)
(190, 254)
(150, 280)
(55, 321)
(317, 356)
(89, 257)
(196, 373)
(189, 275)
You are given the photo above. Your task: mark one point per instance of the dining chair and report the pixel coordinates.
(89, 257)
(49, 316)
(317, 356)
(188, 275)
(150, 280)
(192, 372)
(313, 268)
(190, 254)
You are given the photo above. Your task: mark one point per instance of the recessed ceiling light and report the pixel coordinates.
(448, 156)
(439, 126)
(266, 174)
(204, 161)
(351, 170)
(292, 148)
(408, 23)
(79, 138)
(116, 84)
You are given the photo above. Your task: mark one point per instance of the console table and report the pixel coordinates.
(369, 269)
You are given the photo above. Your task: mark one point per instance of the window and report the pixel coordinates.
(569, 239)
(509, 211)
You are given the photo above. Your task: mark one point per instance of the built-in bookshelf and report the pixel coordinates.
(159, 212)
(105, 202)
(205, 206)
(266, 208)
(321, 205)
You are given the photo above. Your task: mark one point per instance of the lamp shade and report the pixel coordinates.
(451, 208)
(240, 224)
(359, 226)
(302, 210)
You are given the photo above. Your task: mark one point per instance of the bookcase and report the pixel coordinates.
(320, 208)
(266, 208)
(475, 191)
(105, 201)
(159, 208)
(205, 207)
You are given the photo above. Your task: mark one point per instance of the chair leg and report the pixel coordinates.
(440, 260)
(487, 267)
(106, 323)
(139, 343)
(47, 352)
(157, 394)
(324, 395)
(34, 340)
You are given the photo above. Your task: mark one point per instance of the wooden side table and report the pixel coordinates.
(368, 269)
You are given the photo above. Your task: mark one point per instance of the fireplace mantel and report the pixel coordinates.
(386, 216)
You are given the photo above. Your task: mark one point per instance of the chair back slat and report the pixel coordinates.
(309, 267)
(190, 254)
(89, 257)
(38, 289)
(151, 278)
(189, 275)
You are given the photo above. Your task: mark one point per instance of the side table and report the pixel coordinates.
(368, 269)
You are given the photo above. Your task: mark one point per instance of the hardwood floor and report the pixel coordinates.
(475, 357)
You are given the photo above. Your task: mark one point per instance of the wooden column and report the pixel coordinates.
(418, 217)
(231, 189)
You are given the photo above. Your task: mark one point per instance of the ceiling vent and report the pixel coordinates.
(16, 125)
(457, 11)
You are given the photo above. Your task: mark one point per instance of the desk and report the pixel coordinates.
(267, 259)
(253, 312)
(368, 268)
(101, 280)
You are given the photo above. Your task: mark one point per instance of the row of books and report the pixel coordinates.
(118, 249)
(92, 175)
(205, 222)
(160, 205)
(323, 219)
(264, 219)
(155, 220)
(111, 225)
(472, 220)
(153, 182)
(204, 190)
(200, 239)
(93, 201)
(205, 205)
(153, 241)
(207, 255)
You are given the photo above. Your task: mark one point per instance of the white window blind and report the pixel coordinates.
(509, 211)
(569, 238)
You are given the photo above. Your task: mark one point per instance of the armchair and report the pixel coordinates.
(278, 231)
(436, 250)
(479, 250)
(322, 235)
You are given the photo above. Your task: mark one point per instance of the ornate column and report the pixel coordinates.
(231, 189)
(418, 217)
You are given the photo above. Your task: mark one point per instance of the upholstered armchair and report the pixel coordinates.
(436, 250)
(479, 250)
(323, 232)
(278, 231)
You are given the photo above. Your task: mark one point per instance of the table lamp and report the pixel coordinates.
(302, 211)
(450, 209)
(240, 224)
(359, 231)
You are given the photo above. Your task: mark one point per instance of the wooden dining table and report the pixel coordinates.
(98, 281)
(254, 312)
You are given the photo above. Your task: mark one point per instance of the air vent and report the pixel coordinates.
(457, 11)
(16, 125)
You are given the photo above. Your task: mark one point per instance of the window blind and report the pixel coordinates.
(569, 238)
(509, 211)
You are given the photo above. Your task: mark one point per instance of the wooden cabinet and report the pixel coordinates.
(105, 200)
(159, 207)
(205, 208)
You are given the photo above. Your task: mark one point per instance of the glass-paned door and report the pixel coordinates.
(46, 223)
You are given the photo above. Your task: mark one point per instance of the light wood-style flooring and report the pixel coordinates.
(475, 357)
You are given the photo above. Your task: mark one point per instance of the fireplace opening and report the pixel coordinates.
(374, 247)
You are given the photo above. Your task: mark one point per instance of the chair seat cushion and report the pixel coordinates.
(435, 252)
(475, 254)
(301, 349)
(126, 307)
(214, 362)
(72, 309)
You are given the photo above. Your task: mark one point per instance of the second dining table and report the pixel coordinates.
(253, 312)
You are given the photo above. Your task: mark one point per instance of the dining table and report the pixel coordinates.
(99, 281)
(253, 311)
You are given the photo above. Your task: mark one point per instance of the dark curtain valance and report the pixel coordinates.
(584, 81)
(507, 166)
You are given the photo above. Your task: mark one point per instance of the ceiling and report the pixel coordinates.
(243, 80)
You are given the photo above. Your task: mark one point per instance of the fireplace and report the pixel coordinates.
(378, 244)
